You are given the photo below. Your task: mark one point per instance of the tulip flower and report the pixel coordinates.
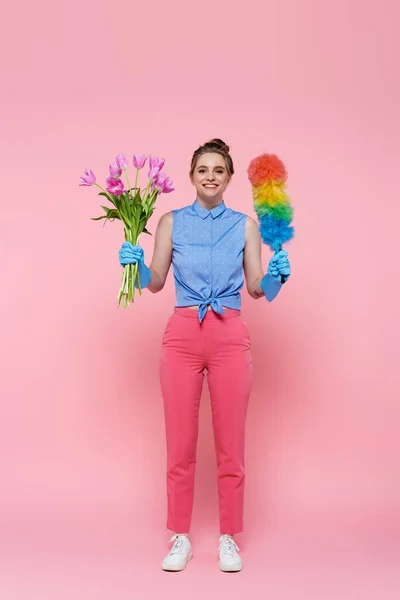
(168, 186)
(121, 161)
(115, 170)
(139, 160)
(156, 163)
(163, 183)
(114, 186)
(88, 178)
(153, 173)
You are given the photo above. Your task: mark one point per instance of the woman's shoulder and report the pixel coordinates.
(251, 222)
(167, 217)
(165, 221)
(236, 213)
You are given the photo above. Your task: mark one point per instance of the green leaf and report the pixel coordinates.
(107, 209)
(111, 214)
(147, 231)
(124, 215)
(109, 197)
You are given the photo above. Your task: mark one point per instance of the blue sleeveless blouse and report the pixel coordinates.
(207, 257)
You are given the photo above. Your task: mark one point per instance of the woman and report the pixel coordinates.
(212, 248)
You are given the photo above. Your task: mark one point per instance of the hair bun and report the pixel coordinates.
(220, 143)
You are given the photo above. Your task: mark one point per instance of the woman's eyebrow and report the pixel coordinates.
(204, 167)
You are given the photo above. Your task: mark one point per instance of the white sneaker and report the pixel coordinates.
(229, 559)
(179, 555)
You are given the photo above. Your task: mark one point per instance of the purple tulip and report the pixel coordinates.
(168, 186)
(121, 161)
(114, 186)
(153, 173)
(115, 170)
(156, 163)
(163, 183)
(139, 160)
(88, 178)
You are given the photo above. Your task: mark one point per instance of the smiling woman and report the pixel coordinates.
(212, 249)
(212, 174)
(211, 178)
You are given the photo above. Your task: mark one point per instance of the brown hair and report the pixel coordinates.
(219, 147)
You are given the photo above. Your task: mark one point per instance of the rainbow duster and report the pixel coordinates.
(267, 175)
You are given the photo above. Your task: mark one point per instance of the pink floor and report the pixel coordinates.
(283, 567)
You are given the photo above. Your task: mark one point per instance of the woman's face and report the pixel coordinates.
(210, 177)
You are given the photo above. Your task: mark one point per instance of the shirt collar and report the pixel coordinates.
(204, 212)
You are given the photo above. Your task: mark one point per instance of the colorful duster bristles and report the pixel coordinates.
(267, 175)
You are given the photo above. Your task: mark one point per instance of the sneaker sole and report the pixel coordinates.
(177, 568)
(229, 569)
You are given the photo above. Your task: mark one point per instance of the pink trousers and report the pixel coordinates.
(220, 345)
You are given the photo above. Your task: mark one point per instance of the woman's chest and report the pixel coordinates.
(209, 251)
(209, 237)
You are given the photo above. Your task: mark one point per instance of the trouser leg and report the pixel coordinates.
(229, 378)
(181, 376)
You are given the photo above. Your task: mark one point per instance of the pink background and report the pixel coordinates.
(82, 506)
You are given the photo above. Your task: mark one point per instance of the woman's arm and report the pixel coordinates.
(252, 264)
(162, 254)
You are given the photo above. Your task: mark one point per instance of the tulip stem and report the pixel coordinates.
(146, 190)
(129, 185)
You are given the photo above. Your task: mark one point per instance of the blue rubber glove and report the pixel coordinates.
(130, 255)
(278, 266)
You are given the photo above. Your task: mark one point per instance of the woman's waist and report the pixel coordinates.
(186, 296)
(197, 306)
(212, 302)
(193, 311)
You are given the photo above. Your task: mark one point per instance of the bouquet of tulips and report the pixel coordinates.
(133, 206)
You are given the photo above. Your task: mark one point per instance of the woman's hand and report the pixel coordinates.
(278, 273)
(279, 265)
(130, 254)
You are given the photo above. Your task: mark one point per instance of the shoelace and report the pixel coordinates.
(228, 545)
(178, 543)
